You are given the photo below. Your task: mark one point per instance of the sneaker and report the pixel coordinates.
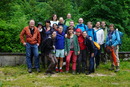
(117, 69)
(67, 71)
(30, 70)
(88, 73)
(57, 70)
(112, 67)
(38, 70)
(73, 72)
(61, 70)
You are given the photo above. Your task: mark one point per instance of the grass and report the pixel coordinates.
(19, 77)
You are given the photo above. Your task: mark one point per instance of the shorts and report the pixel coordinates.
(60, 53)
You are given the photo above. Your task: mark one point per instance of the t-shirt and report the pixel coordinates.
(54, 22)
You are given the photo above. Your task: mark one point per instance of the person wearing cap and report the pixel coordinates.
(82, 57)
(32, 42)
(46, 33)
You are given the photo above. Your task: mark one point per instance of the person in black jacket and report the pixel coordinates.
(92, 52)
(49, 50)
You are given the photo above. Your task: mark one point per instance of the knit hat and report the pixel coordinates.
(78, 30)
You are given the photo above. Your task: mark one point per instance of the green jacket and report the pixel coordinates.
(76, 45)
(67, 22)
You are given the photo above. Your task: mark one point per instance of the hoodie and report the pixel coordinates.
(81, 40)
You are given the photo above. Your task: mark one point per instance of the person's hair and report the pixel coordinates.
(68, 34)
(103, 21)
(111, 25)
(30, 20)
(52, 35)
(53, 16)
(71, 21)
(60, 26)
(55, 24)
(89, 22)
(48, 21)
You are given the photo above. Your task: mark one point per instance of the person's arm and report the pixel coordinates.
(22, 36)
(95, 36)
(78, 48)
(66, 46)
(102, 37)
(117, 39)
(39, 38)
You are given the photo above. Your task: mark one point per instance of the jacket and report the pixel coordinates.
(92, 34)
(64, 27)
(32, 39)
(81, 40)
(114, 40)
(60, 40)
(83, 27)
(76, 45)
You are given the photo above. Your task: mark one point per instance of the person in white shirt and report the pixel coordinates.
(100, 40)
(54, 20)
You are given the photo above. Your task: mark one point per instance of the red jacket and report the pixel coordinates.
(29, 38)
(81, 40)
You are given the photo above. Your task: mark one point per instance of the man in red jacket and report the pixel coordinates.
(82, 58)
(31, 43)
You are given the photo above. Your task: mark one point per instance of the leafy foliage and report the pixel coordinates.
(15, 14)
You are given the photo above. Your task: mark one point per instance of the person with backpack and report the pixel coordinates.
(49, 51)
(91, 33)
(67, 21)
(71, 49)
(112, 45)
(82, 57)
(92, 50)
(100, 40)
(60, 46)
(32, 35)
(81, 25)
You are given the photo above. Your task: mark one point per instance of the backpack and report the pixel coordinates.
(121, 35)
(84, 27)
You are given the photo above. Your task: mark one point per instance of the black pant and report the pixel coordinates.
(53, 62)
(82, 61)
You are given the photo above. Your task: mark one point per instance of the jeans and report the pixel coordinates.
(82, 59)
(91, 62)
(98, 56)
(74, 59)
(32, 48)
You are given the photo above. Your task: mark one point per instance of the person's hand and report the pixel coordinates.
(65, 35)
(78, 52)
(24, 44)
(37, 44)
(65, 53)
(92, 55)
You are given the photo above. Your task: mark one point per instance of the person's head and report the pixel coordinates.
(68, 16)
(40, 25)
(54, 17)
(89, 24)
(70, 31)
(60, 29)
(53, 34)
(103, 24)
(61, 20)
(98, 24)
(84, 34)
(78, 32)
(72, 23)
(111, 26)
(81, 20)
(47, 22)
(55, 26)
(31, 23)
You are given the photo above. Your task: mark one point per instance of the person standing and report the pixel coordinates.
(67, 21)
(81, 25)
(32, 42)
(60, 46)
(71, 49)
(82, 57)
(54, 20)
(100, 40)
(112, 44)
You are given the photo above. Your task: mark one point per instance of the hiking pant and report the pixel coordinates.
(98, 56)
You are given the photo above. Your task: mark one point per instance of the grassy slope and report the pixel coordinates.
(18, 77)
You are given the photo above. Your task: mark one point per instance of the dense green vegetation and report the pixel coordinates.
(19, 77)
(15, 14)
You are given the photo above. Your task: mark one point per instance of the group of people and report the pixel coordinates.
(62, 41)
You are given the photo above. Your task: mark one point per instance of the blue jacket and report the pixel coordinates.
(64, 27)
(114, 40)
(83, 27)
(92, 34)
(60, 40)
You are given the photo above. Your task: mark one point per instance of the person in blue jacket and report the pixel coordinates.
(81, 25)
(113, 41)
(60, 45)
(91, 33)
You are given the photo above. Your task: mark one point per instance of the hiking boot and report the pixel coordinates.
(38, 70)
(117, 69)
(67, 71)
(88, 73)
(57, 70)
(73, 72)
(112, 67)
(61, 70)
(30, 70)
